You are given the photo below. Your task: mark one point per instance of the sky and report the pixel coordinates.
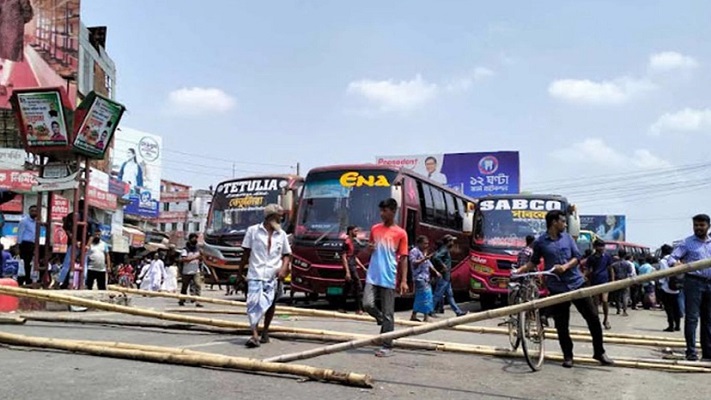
(607, 101)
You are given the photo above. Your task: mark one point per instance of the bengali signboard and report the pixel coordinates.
(60, 209)
(100, 119)
(474, 174)
(136, 162)
(240, 203)
(608, 227)
(17, 181)
(42, 119)
(97, 193)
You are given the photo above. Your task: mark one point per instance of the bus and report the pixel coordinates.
(335, 197)
(635, 250)
(236, 205)
(501, 224)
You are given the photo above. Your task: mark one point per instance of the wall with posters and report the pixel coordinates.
(39, 47)
(474, 174)
(608, 227)
(136, 162)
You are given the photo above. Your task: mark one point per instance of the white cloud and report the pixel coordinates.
(671, 60)
(598, 153)
(395, 96)
(584, 91)
(465, 83)
(686, 120)
(198, 101)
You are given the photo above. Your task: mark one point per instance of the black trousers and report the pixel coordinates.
(671, 307)
(353, 287)
(561, 315)
(187, 280)
(27, 253)
(99, 277)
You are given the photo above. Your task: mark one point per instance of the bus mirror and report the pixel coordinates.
(574, 225)
(287, 200)
(468, 223)
(396, 193)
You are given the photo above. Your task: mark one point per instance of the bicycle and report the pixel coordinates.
(526, 329)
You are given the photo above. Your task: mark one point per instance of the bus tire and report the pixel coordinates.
(487, 301)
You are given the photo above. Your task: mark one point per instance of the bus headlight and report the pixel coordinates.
(299, 263)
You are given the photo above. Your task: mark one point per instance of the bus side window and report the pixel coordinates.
(439, 205)
(426, 204)
(451, 212)
(461, 212)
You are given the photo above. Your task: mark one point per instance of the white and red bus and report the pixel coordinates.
(501, 224)
(635, 250)
(336, 197)
(236, 205)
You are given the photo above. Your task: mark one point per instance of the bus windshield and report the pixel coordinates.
(505, 223)
(236, 205)
(333, 200)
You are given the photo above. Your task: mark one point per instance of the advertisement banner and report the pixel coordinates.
(608, 227)
(39, 46)
(171, 216)
(137, 163)
(97, 193)
(98, 126)
(42, 116)
(17, 181)
(12, 158)
(60, 208)
(474, 174)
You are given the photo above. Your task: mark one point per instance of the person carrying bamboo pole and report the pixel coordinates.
(387, 262)
(561, 255)
(697, 287)
(267, 251)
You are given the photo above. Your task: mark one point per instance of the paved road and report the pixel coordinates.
(48, 375)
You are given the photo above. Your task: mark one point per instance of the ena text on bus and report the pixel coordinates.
(501, 224)
(236, 205)
(340, 196)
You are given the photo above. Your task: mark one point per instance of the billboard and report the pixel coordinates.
(39, 46)
(136, 162)
(608, 227)
(474, 174)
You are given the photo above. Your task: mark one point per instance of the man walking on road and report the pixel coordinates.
(387, 263)
(599, 271)
(561, 255)
(267, 251)
(190, 258)
(26, 231)
(697, 287)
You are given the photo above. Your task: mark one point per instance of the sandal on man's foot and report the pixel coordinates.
(384, 352)
(264, 339)
(252, 343)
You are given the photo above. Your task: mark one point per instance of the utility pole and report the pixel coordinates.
(298, 168)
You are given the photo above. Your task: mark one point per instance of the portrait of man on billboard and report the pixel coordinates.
(433, 173)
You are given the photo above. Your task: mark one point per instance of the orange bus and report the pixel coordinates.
(338, 196)
(501, 224)
(236, 205)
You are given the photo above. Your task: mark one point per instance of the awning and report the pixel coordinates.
(136, 237)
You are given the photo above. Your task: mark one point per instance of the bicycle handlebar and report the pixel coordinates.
(537, 273)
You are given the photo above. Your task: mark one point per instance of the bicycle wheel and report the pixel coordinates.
(514, 337)
(532, 336)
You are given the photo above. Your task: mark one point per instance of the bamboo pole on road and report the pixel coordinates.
(187, 358)
(514, 309)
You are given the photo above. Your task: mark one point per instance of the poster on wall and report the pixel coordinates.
(39, 46)
(43, 123)
(100, 117)
(136, 162)
(608, 227)
(474, 174)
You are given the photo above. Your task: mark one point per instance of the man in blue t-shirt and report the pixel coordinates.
(561, 255)
(598, 269)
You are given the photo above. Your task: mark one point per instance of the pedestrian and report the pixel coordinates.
(98, 261)
(268, 254)
(26, 230)
(561, 256)
(697, 287)
(190, 258)
(443, 259)
(623, 269)
(647, 289)
(388, 262)
(421, 269)
(599, 272)
(670, 296)
(352, 285)
(152, 274)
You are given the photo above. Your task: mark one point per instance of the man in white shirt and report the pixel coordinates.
(190, 257)
(98, 261)
(266, 249)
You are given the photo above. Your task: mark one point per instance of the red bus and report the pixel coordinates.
(236, 205)
(635, 250)
(501, 224)
(338, 196)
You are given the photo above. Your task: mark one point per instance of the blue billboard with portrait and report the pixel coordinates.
(608, 227)
(474, 174)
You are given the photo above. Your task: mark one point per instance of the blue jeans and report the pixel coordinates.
(444, 287)
(697, 293)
